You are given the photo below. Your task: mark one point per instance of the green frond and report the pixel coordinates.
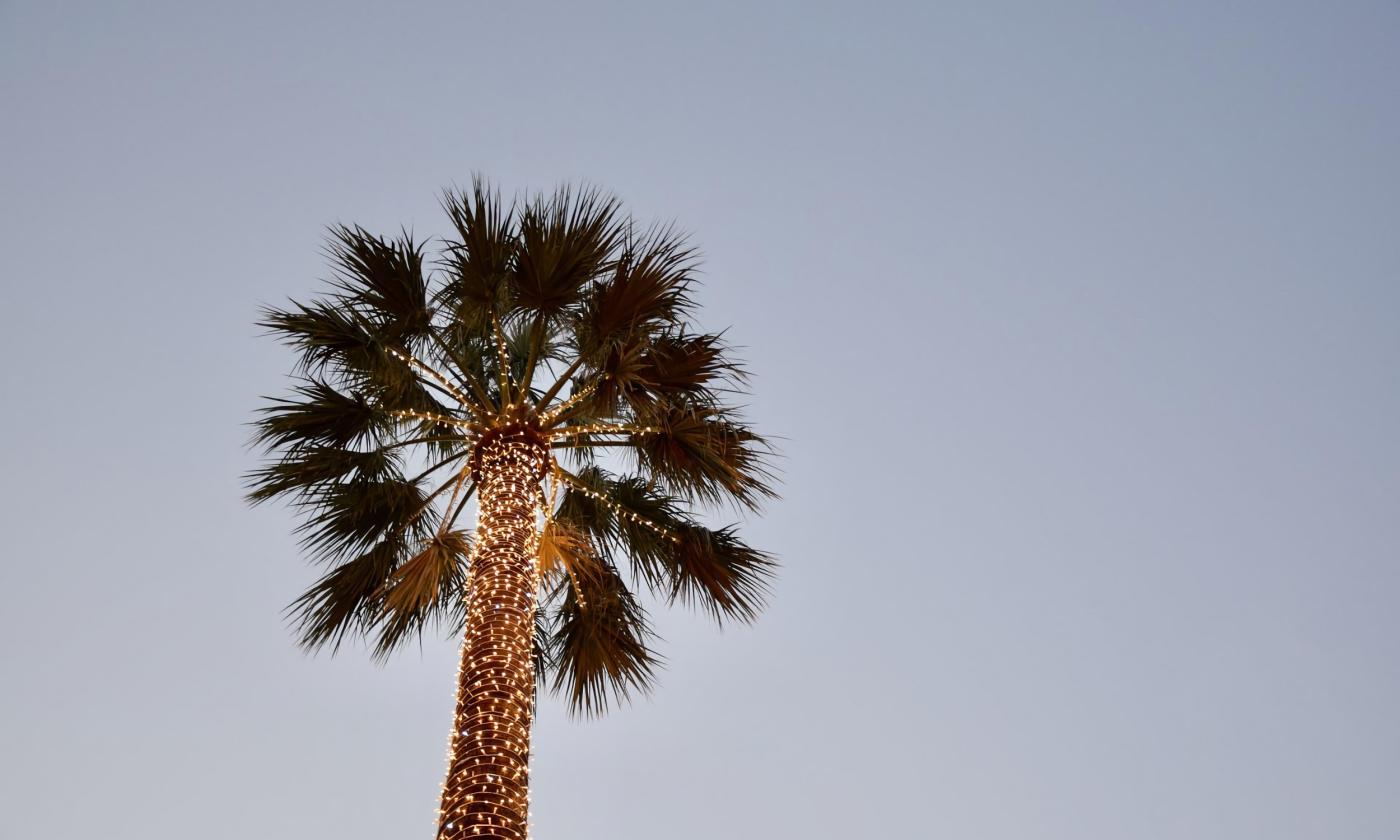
(344, 600)
(648, 289)
(678, 558)
(337, 343)
(699, 454)
(566, 241)
(680, 368)
(324, 334)
(715, 571)
(318, 414)
(583, 511)
(648, 543)
(599, 640)
(467, 353)
(520, 343)
(383, 279)
(476, 356)
(544, 655)
(303, 470)
(617, 376)
(479, 262)
(348, 517)
(653, 372)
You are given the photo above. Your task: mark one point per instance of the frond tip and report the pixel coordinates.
(700, 454)
(680, 560)
(599, 639)
(717, 572)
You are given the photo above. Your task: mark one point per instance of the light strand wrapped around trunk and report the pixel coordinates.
(486, 794)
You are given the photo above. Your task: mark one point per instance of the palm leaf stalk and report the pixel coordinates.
(546, 368)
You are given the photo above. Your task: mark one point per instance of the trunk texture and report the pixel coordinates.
(487, 792)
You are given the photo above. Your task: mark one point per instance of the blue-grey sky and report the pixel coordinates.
(1080, 323)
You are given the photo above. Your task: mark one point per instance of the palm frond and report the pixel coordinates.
(324, 334)
(649, 288)
(654, 372)
(566, 240)
(715, 571)
(318, 414)
(337, 343)
(520, 345)
(618, 374)
(646, 525)
(478, 263)
(382, 278)
(564, 551)
(700, 454)
(544, 656)
(582, 507)
(424, 588)
(687, 368)
(344, 600)
(599, 638)
(469, 356)
(678, 558)
(350, 516)
(303, 470)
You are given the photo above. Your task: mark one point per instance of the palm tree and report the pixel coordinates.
(545, 366)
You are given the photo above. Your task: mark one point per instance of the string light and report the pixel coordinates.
(435, 418)
(413, 360)
(549, 416)
(619, 509)
(603, 429)
(502, 359)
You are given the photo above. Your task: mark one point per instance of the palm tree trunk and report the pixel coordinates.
(486, 794)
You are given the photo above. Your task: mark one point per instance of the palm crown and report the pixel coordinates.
(550, 317)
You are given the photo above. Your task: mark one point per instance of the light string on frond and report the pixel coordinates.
(537, 333)
(502, 361)
(456, 491)
(602, 429)
(414, 361)
(578, 485)
(558, 411)
(410, 414)
(556, 486)
(435, 467)
(463, 370)
(562, 380)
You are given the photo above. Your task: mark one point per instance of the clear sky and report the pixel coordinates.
(1080, 323)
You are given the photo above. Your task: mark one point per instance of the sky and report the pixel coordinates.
(1078, 324)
